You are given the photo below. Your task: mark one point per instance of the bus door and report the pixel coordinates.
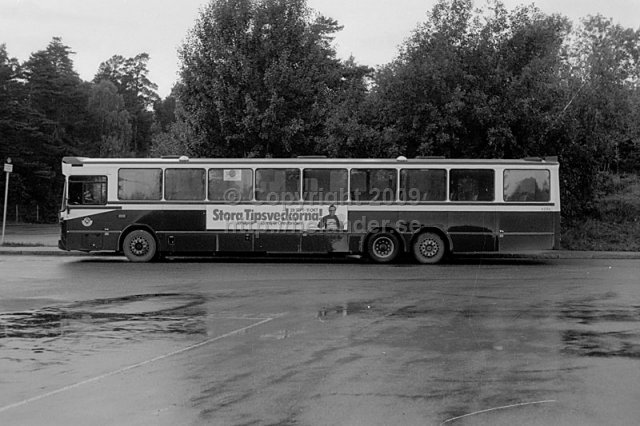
(473, 231)
(526, 231)
(472, 218)
(528, 220)
(86, 199)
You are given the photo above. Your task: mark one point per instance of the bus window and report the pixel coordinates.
(328, 185)
(230, 185)
(471, 185)
(423, 185)
(373, 184)
(184, 184)
(278, 185)
(140, 184)
(526, 185)
(88, 190)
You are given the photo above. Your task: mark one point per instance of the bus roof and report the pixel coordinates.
(80, 161)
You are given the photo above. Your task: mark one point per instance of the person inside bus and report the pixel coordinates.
(330, 222)
(87, 197)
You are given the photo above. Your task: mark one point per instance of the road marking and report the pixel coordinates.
(136, 365)
(547, 401)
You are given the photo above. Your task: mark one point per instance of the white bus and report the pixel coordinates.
(381, 208)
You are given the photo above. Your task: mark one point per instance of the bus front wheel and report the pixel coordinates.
(139, 246)
(383, 247)
(428, 248)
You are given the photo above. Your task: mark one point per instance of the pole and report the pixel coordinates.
(8, 168)
(4, 211)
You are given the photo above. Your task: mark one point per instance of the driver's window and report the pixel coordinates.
(87, 190)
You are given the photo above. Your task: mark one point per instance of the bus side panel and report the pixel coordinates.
(412, 221)
(474, 231)
(363, 221)
(196, 242)
(176, 230)
(324, 242)
(168, 220)
(280, 242)
(557, 230)
(90, 230)
(101, 231)
(521, 231)
(235, 241)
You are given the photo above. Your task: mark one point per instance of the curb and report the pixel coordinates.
(562, 254)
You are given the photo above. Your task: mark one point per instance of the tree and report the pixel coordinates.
(130, 77)
(110, 120)
(605, 75)
(349, 131)
(182, 136)
(164, 112)
(474, 84)
(257, 77)
(52, 124)
(12, 95)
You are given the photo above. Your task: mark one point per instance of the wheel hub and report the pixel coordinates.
(139, 246)
(429, 248)
(383, 247)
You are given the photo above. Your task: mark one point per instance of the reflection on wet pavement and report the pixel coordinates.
(147, 313)
(351, 308)
(606, 329)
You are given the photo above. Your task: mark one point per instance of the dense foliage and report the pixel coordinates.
(260, 78)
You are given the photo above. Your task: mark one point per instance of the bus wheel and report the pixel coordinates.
(428, 248)
(139, 246)
(383, 247)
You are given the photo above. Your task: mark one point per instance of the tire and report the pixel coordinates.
(428, 248)
(383, 247)
(139, 246)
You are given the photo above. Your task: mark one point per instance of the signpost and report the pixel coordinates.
(8, 168)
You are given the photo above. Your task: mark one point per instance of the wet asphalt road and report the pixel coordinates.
(318, 342)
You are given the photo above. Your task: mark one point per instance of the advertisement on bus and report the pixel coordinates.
(241, 218)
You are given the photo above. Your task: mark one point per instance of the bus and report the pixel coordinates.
(428, 208)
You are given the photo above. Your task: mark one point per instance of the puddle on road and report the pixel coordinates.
(600, 327)
(411, 312)
(602, 344)
(607, 330)
(145, 313)
(588, 314)
(374, 308)
(351, 308)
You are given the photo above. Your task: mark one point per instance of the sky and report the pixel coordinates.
(98, 29)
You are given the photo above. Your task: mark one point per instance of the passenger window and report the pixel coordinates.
(471, 185)
(230, 185)
(325, 185)
(88, 190)
(373, 185)
(526, 185)
(423, 185)
(184, 184)
(140, 184)
(278, 185)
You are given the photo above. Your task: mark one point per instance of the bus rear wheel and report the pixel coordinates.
(428, 248)
(139, 246)
(383, 247)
